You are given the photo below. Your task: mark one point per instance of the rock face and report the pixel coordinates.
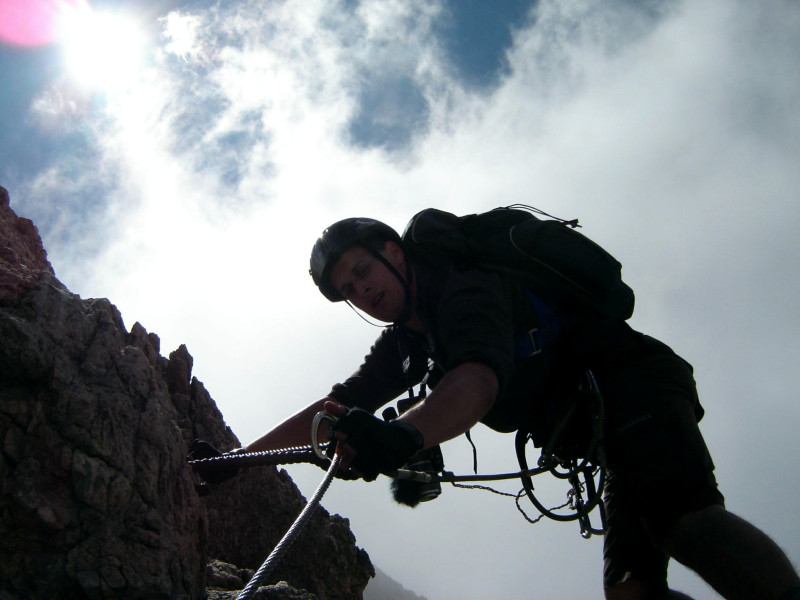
(96, 498)
(23, 260)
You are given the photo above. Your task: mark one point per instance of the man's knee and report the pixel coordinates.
(635, 590)
(629, 590)
(690, 533)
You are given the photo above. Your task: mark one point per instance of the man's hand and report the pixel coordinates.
(369, 445)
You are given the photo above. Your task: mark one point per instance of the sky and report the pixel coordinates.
(181, 157)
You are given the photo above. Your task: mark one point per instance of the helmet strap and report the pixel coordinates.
(404, 281)
(365, 319)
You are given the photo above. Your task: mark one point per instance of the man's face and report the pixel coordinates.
(368, 284)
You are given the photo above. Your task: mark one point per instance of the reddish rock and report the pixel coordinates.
(23, 260)
(96, 497)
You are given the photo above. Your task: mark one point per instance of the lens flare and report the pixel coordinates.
(31, 23)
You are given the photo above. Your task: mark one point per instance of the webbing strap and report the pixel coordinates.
(549, 329)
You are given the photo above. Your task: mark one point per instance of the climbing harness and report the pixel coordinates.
(584, 469)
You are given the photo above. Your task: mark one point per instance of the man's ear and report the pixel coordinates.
(394, 253)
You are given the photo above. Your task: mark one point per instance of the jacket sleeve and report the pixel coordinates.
(474, 322)
(382, 376)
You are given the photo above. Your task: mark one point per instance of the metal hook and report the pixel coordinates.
(315, 444)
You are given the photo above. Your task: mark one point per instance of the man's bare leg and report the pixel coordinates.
(733, 556)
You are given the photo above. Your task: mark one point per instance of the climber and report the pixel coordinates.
(461, 327)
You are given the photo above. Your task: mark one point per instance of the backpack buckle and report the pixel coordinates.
(528, 345)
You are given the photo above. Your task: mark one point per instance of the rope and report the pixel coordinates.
(289, 537)
(517, 497)
(305, 454)
(297, 454)
(581, 508)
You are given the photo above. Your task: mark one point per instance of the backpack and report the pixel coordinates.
(563, 267)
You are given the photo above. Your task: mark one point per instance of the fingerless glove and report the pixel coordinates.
(381, 446)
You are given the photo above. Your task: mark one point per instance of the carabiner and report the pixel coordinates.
(319, 418)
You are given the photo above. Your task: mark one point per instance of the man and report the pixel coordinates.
(662, 499)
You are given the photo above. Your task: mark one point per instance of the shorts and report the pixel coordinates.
(659, 467)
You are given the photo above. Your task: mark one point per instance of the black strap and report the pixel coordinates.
(474, 451)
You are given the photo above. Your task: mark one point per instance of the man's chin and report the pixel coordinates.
(385, 316)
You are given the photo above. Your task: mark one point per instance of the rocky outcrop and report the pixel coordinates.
(23, 260)
(96, 498)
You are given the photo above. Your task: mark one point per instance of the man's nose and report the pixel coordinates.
(363, 288)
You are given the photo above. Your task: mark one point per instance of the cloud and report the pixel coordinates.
(181, 33)
(670, 128)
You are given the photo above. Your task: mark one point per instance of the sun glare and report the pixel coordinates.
(102, 49)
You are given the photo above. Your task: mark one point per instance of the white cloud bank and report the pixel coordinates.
(674, 134)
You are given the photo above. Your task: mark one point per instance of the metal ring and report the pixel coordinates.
(315, 444)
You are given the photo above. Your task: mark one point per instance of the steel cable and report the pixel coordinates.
(289, 537)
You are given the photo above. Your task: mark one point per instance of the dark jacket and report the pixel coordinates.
(472, 315)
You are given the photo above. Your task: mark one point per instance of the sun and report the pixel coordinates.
(101, 49)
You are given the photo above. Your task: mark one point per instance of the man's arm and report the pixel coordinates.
(461, 399)
(379, 379)
(463, 396)
(294, 431)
